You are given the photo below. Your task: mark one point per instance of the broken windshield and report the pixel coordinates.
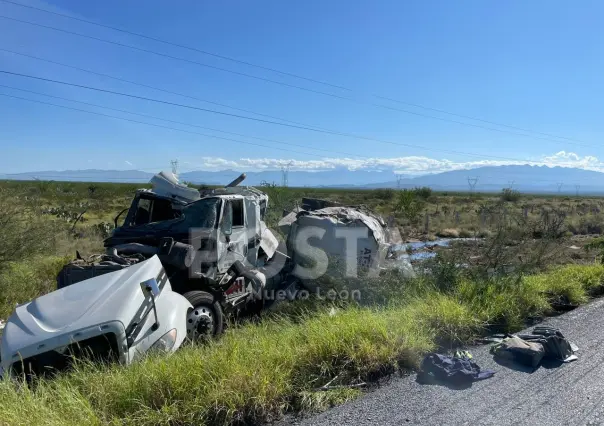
(198, 214)
(201, 214)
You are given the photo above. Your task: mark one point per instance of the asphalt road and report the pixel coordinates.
(554, 394)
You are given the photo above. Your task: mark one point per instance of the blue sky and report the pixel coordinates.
(535, 65)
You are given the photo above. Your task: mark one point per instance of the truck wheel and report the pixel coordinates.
(206, 318)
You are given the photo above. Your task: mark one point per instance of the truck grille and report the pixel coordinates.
(101, 348)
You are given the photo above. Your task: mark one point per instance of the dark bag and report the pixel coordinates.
(452, 369)
(555, 344)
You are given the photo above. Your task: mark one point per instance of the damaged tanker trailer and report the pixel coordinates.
(339, 241)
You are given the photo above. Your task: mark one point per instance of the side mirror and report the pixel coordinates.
(118, 216)
(227, 219)
(150, 288)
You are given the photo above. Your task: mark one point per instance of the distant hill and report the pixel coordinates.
(537, 179)
(540, 179)
(338, 177)
(89, 175)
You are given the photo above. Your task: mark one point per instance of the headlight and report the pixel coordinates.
(166, 342)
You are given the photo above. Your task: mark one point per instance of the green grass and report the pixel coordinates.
(446, 210)
(257, 372)
(23, 281)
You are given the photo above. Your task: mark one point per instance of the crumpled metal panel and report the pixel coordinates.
(346, 215)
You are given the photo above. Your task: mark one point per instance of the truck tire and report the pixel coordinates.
(206, 319)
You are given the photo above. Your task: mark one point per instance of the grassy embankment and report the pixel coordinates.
(258, 371)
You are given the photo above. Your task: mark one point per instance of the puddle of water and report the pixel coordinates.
(418, 251)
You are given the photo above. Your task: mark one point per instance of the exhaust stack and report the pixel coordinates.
(236, 181)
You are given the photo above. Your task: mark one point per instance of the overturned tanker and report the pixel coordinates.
(328, 238)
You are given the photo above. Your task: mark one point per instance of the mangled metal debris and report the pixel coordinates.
(202, 257)
(352, 237)
(179, 263)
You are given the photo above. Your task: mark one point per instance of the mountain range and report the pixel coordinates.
(537, 179)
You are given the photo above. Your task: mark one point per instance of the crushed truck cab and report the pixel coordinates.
(214, 246)
(226, 224)
(110, 317)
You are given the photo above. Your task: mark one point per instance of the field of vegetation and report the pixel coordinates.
(308, 355)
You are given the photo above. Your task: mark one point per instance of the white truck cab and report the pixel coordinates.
(112, 317)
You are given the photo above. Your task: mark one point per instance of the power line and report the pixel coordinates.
(469, 117)
(258, 119)
(178, 122)
(182, 46)
(176, 58)
(156, 88)
(175, 93)
(227, 58)
(398, 177)
(310, 90)
(151, 87)
(155, 125)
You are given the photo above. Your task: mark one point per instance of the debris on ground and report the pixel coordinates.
(530, 349)
(459, 369)
(518, 350)
(555, 344)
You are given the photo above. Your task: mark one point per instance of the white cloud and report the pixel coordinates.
(413, 165)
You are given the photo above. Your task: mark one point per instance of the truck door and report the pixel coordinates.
(232, 238)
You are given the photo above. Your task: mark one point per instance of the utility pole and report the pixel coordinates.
(174, 164)
(399, 178)
(285, 174)
(472, 183)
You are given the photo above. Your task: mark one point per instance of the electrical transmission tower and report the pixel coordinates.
(285, 174)
(472, 183)
(560, 185)
(577, 188)
(174, 164)
(511, 184)
(399, 178)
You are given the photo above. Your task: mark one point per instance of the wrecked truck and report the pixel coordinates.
(179, 263)
(214, 246)
(114, 317)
